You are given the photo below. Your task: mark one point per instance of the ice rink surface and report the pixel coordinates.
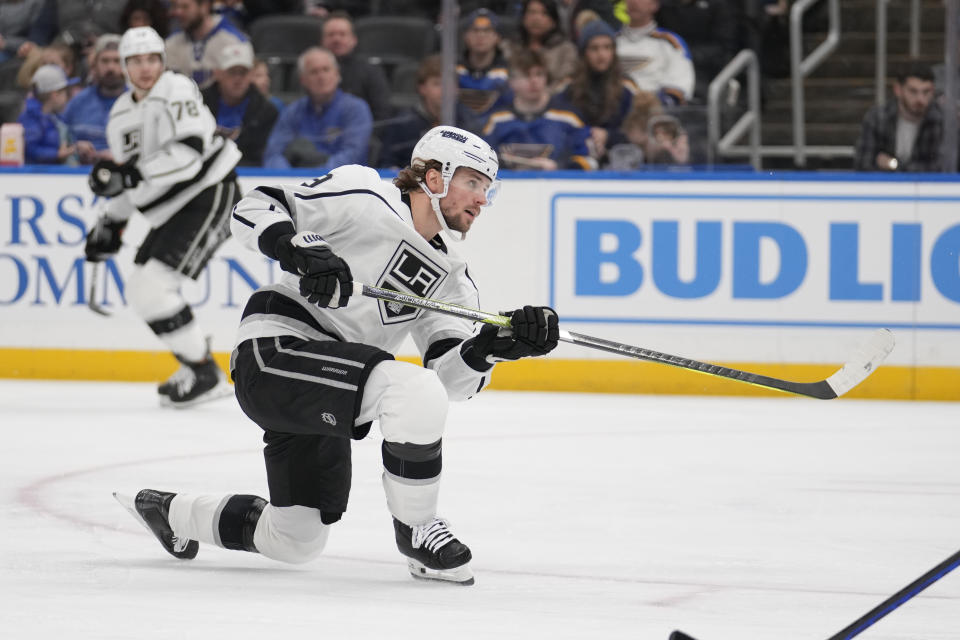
(589, 516)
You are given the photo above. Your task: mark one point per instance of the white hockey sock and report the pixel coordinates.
(196, 517)
(411, 501)
(187, 342)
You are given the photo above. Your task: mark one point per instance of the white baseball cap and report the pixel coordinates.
(236, 55)
(51, 77)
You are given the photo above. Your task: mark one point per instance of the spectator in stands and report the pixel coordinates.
(599, 91)
(536, 131)
(45, 137)
(360, 78)
(482, 72)
(540, 31)
(403, 132)
(146, 13)
(327, 127)
(58, 54)
(904, 134)
(711, 31)
(655, 59)
(632, 152)
(243, 114)
(87, 113)
(261, 80)
(653, 137)
(194, 50)
(16, 21)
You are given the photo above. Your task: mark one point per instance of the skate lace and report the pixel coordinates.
(432, 536)
(183, 380)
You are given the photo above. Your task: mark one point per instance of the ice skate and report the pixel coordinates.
(433, 553)
(193, 383)
(150, 508)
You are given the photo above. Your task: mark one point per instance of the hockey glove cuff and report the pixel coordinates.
(325, 278)
(110, 179)
(534, 332)
(104, 239)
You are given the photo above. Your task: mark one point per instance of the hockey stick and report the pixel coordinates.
(868, 619)
(92, 297)
(864, 362)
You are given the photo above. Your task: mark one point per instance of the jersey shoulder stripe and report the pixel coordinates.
(347, 192)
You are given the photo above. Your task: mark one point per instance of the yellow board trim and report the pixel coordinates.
(592, 376)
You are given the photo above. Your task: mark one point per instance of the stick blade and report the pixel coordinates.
(868, 357)
(680, 635)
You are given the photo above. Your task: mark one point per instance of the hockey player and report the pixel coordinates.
(314, 372)
(168, 165)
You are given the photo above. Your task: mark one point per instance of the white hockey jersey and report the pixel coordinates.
(368, 224)
(171, 134)
(656, 60)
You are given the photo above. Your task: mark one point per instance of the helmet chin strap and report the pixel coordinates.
(456, 236)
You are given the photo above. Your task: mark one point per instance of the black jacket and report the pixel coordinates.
(360, 78)
(258, 121)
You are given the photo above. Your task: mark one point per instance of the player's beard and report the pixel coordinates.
(455, 223)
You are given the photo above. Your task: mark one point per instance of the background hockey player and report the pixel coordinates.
(168, 165)
(314, 372)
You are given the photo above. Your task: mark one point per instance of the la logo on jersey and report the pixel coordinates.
(131, 141)
(409, 271)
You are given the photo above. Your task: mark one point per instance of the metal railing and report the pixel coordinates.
(749, 120)
(801, 67)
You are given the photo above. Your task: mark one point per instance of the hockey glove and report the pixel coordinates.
(325, 279)
(534, 332)
(109, 179)
(104, 239)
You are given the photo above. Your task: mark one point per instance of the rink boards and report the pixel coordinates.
(778, 274)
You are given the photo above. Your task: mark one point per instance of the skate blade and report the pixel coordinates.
(222, 390)
(181, 552)
(128, 503)
(461, 575)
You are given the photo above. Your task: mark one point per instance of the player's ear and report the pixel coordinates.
(434, 180)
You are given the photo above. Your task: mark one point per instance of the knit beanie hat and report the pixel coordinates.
(593, 29)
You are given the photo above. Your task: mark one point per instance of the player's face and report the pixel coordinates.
(338, 37)
(144, 70)
(599, 53)
(465, 196)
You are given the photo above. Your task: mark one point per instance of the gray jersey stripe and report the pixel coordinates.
(317, 356)
(202, 233)
(297, 376)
